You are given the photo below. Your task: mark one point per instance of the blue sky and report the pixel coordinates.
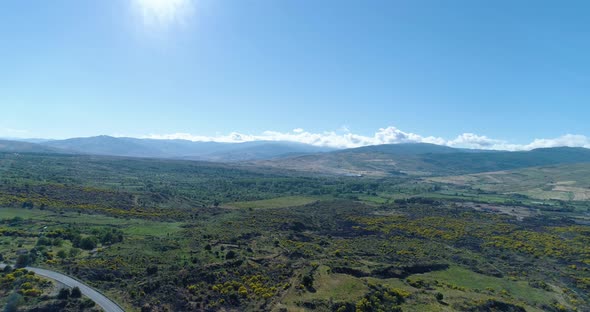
(469, 72)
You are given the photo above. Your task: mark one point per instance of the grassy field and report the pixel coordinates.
(150, 228)
(327, 286)
(518, 290)
(563, 182)
(279, 202)
(458, 285)
(140, 227)
(34, 214)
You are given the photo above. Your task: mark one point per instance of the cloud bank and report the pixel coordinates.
(388, 135)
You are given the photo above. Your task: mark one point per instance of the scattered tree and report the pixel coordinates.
(439, 296)
(22, 261)
(76, 293)
(88, 243)
(151, 270)
(230, 255)
(307, 281)
(63, 294)
(62, 254)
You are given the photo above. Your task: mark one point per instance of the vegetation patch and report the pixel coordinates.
(279, 202)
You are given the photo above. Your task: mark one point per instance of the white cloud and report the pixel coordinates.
(163, 13)
(472, 140)
(329, 138)
(389, 135)
(571, 140)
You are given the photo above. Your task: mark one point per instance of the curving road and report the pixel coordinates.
(105, 303)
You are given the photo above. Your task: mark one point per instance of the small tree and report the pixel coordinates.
(107, 238)
(88, 243)
(307, 281)
(76, 292)
(439, 296)
(63, 294)
(151, 270)
(74, 252)
(22, 261)
(62, 254)
(230, 255)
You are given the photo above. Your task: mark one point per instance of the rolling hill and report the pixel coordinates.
(565, 182)
(425, 160)
(106, 145)
(412, 159)
(26, 147)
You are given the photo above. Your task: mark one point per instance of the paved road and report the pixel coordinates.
(105, 303)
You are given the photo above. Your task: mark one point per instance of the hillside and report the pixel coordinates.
(426, 160)
(176, 235)
(26, 147)
(412, 159)
(262, 150)
(565, 182)
(106, 145)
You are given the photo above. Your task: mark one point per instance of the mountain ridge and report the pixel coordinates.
(413, 159)
(170, 149)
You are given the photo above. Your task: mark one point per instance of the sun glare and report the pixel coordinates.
(164, 12)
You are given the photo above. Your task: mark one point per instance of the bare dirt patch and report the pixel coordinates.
(579, 193)
(517, 211)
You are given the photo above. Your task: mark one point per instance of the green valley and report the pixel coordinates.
(169, 235)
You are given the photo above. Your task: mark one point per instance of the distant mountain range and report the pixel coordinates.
(25, 147)
(417, 159)
(174, 149)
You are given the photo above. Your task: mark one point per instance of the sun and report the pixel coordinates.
(164, 12)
